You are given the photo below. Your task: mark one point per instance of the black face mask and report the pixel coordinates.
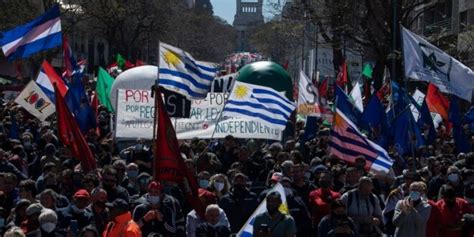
(239, 189)
(324, 184)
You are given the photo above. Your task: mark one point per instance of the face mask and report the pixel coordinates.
(203, 183)
(415, 195)
(154, 199)
(453, 178)
(219, 186)
(132, 173)
(48, 226)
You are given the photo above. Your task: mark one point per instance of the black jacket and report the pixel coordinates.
(238, 208)
(205, 230)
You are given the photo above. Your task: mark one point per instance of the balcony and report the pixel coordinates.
(440, 27)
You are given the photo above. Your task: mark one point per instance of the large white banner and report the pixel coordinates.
(205, 114)
(135, 114)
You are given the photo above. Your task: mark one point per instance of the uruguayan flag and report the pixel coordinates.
(247, 229)
(37, 35)
(260, 103)
(179, 72)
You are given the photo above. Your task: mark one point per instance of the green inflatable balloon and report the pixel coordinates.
(270, 74)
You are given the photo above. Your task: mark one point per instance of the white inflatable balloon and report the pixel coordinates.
(142, 77)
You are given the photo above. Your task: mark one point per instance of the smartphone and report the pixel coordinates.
(74, 226)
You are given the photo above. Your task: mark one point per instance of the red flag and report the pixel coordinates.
(139, 63)
(437, 102)
(323, 88)
(169, 165)
(71, 136)
(341, 80)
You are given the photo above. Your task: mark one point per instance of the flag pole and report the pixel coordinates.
(156, 93)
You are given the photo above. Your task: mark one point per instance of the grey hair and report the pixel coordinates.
(49, 192)
(14, 232)
(212, 207)
(119, 162)
(48, 215)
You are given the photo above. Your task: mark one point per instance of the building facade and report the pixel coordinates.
(249, 14)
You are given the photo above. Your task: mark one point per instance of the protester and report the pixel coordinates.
(273, 222)
(212, 227)
(48, 225)
(452, 211)
(121, 222)
(337, 223)
(412, 213)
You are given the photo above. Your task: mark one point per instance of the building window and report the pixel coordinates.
(463, 21)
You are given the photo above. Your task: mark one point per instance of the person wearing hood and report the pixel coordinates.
(160, 213)
(239, 203)
(121, 222)
(76, 211)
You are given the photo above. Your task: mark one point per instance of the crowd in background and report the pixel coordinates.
(43, 191)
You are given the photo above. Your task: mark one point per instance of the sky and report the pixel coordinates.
(226, 9)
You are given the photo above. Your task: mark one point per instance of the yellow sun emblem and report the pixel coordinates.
(171, 58)
(241, 91)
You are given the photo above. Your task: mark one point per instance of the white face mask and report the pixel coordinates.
(154, 199)
(48, 226)
(219, 186)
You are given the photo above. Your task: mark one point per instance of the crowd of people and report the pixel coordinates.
(43, 191)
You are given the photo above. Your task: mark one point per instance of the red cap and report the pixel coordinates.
(155, 185)
(82, 193)
(210, 196)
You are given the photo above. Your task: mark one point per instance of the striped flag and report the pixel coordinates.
(247, 229)
(259, 103)
(47, 77)
(40, 34)
(179, 72)
(347, 143)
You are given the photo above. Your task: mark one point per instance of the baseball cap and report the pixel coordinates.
(118, 204)
(34, 208)
(82, 193)
(276, 177)
(155, 185)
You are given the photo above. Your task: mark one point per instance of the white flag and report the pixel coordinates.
(424, 61)
(35, 101)
(308, 97)
(356, 95)
(247, 229)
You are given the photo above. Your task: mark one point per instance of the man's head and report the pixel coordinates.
(417, 190)
(365, 186)
(273, 202)
(32, 213)
(325, 180)
(132, 171)
(81, 199)
(360, 163)
(48, 198)
(120, 166)
(240, 183)
(448, 194)
(27, 189)
(117, 207)
(48, 220)
(454, 175)
(155, 191)
(338, 208)
(352, 176)
(212, 214)
(298, 172)
(99, 199)
(109, 178)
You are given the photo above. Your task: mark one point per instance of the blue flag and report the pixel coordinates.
(406, 134)
(425, 123)
(374, 121)
(14, 130)
(78, 103)
(454, 116)
(311, 128)
(400, 100)
(344, 104)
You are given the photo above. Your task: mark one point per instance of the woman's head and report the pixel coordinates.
(219, 183)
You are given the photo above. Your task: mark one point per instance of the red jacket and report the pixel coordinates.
(451, 216)
(434, 222)
(320, 201)
(122, 226)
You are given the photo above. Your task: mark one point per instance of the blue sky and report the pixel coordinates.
(226, 9)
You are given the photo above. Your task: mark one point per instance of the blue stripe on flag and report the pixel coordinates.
(258, 115)
(185, 76)
(20, 31)
(181, 86)
(258, 106)
(246, 234)
(272, 101)
(265, 91)
(208, 69)
(350, 152)
(47, 42)
(197, 72)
